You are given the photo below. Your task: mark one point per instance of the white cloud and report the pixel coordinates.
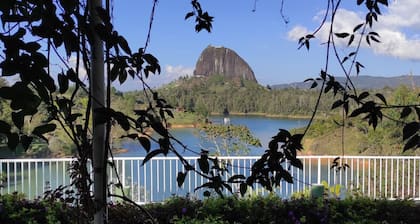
(398, 29)
(297, 32)
(178, 71)
(403, 13)
(169, 74)
(397, 44)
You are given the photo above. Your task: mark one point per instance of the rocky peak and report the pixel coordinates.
(223, 61)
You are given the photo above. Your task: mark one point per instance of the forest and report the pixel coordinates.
(194, 99)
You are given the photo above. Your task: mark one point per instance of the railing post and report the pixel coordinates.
(319, 170)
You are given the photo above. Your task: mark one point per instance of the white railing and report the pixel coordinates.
(372, 176)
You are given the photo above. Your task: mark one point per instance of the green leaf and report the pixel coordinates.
(42, 129)
(18, 119)
(26, 141)
(357, 27)
(159, 128)
(63, 83)
(151, 155)
(323, 75)
(341, 35)
(282, 135)
(73, 117)
(145, 142)
(307, 45)
(337, 104)
(188, 15)
(206, 194)
(357, 112)
(122, 120)
(413, 142)
(363, 95)
(384, 2)
(358, 66)
(123, 76)
(381, 97)
(72, 76)
(164, 144)
(410, 129)
(375, 39)
(204, 163)
(4, 127)
(180, 178)
(243, 188)
(32, 46)
(297, 163)
(351, 39)
(12, 140)
(150, 59)
(417, 112)
(286, 176)
(114, 72)
(405, 112)
(7, 92)
(122, 42)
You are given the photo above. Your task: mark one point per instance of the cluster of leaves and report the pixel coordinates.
(66, 26)
(202, 18)
(14, 208)
(270, 169)
(362, 104)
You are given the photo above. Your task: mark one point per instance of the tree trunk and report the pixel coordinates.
(97, 85)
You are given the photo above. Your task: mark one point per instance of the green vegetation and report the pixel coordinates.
(213, 94)
(14, 208)
(227, 140)
(272, 209)
(195, 98)
(269, 209)
(359, 138)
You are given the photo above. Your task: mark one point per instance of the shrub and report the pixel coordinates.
(257, 209)
(14, 208)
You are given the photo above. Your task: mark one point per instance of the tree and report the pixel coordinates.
(34, 32)
(226, 140)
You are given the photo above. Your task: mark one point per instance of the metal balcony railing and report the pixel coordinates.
(392, 177)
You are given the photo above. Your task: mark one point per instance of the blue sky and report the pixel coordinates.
(264, 40)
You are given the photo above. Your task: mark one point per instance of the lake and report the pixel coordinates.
(261, 127)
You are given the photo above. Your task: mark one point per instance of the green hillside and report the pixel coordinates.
(215, 93)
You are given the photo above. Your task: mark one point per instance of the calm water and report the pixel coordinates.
(261, 127)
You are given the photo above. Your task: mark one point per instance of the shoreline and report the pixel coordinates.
(265, 115)
(178, 126)
(195, 125)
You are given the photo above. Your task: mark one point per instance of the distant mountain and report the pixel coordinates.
(225, 62)
(363, 82)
